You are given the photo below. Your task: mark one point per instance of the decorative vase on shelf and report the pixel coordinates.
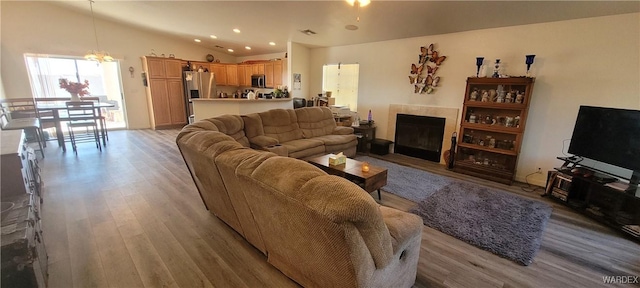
(75, 97)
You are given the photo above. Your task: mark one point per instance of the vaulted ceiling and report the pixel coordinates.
(261, 22)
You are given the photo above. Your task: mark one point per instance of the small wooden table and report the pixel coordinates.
(352, 171)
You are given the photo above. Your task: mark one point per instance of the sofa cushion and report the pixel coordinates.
(281, 124)
(304, 147)
(199, 149)
(242, 161)
(315, 121)
(232, 125)
(339, 143)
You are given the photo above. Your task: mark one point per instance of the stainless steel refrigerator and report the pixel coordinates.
(198, 85)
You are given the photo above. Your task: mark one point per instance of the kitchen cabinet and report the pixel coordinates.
(268, 75)
(176, 101)
(492, 129)
(232, 74)
(242, 76)
(277, 73)
(159, 103)
(257, 68)
(220, 70)
(165, 95)
(164, 68)
(247, 75)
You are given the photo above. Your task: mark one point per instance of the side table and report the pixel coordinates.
(368, 133)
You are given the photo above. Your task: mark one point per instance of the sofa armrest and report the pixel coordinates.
(259, 142)
(342, 130)
(402, 226)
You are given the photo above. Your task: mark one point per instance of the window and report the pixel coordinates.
(45, 72)
(342, 81)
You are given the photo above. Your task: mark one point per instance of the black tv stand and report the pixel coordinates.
(597, 194)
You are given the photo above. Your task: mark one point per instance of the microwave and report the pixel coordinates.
(257, 80)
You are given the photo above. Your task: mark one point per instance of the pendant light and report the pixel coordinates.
(97, 55)
(358, 4)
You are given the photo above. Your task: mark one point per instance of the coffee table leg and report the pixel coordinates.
(379, 197)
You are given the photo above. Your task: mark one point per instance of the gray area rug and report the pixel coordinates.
(409, 183)
(499, 222)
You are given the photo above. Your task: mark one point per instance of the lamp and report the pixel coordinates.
(529, 61)
(97, 55)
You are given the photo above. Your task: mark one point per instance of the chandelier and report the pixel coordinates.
(97, 55)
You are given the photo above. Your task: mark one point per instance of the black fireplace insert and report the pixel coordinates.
(419, 136)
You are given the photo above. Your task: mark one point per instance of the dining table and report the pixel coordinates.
(57, 118)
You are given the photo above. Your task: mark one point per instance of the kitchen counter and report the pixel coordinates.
(204, 108)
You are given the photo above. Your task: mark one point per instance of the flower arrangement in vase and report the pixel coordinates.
(76, 89)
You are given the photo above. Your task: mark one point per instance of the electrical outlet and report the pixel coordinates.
(539, 170)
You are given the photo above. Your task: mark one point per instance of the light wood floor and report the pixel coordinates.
(131, 217)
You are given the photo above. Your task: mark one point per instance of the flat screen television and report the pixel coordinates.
(608, 135)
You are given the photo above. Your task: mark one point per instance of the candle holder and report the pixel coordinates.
(365, 166)
(529, 61)
(479, 61)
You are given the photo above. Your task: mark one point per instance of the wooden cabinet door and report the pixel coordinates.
(220, 72)
(160, 102)
(248, 71)
(176, 101)
(232, 74)
(277, 73)
(242, 75)
(257, 68)
(156, 68)
(268, 75)
(173, 69)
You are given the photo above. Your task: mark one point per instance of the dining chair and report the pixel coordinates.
(83, 114)
(30, 125)
(101, 116)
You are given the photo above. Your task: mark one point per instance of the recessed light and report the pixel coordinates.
(197, 40)
(230, 50)
(247, 47)
(236, 30)
(272, 43)
(213, 36)
(351, 27)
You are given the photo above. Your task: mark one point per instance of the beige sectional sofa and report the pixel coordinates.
(299, 133)
(319, 230)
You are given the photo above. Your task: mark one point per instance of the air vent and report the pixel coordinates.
(308, 32)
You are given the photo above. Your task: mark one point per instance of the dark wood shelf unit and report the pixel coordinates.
(491, 131)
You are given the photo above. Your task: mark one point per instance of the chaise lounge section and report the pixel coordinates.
(319, 230)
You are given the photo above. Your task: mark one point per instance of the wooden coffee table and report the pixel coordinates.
(352, 171)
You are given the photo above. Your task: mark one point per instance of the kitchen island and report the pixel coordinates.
(204, 108)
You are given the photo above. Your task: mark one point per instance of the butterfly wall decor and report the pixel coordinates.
(428, 60)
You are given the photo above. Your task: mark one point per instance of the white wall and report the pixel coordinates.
(590, 61)
(299, 63)
(45, 28)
